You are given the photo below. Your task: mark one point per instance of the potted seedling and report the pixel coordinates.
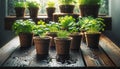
(89, 7)
(63, 42)
(20, 9)
(50, 8)
(64, 22)
(66, 6)
(24, 28)
(82, 30)
(33, 7)
(53, 28)
(93, 28)
(74, 29)
(41, 41)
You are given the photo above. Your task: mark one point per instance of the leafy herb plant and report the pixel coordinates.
(33, 4)
(89, 2)
(92, 25)
(65, 21)
(63, 34)
(40, 29)
(23, 26)
(66, 2)
(51, 3)
(53, 26)
(20, 4)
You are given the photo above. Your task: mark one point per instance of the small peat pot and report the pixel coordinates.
(62, 48)
(50, 11)
(26, 40)
(92, 40)
(33, 12)
(52, 34)
(66, 8)
(76, 41)
(87, 10)
(20, 11)
(42, 45)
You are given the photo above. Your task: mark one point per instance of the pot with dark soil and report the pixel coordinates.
(92, 40)
(89, 7)
(76, 41)
(20, 12)
(33, 7)
(33, 12)
(20, 9)
(62, 43)
(41, 41)
(24, 28)
(66, 8)
(53, 28)
(87, 10)
(52, 34)
(50, 11)
(93, 28)
(26, 39)
(50, 8)
(42, 45)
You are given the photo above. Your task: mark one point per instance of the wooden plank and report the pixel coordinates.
(95, 58)
(112, 50)
(88, 60)
(103, 58)
(8, 49)
(20, 58)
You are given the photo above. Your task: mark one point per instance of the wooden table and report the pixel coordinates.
(108, 55)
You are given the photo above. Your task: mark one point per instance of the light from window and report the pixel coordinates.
(42, 11)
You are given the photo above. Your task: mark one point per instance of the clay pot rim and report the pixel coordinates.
(51, 33)
(24, 33)
(93, 33)
(76, 34)
(45, 37)
(67, 5)
(90, 5)
(58, 38)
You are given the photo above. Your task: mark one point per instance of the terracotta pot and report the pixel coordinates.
(76, 41)
(52, 34)
(62, 45)
(42, 45)
(33, 12)
(66, 8)
(50, 11)
(89, 10)
(20, 12)
(26, 39)
(92, 40)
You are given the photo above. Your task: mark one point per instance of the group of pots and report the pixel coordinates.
(20, 8)
(63, 46)
(42, 45)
